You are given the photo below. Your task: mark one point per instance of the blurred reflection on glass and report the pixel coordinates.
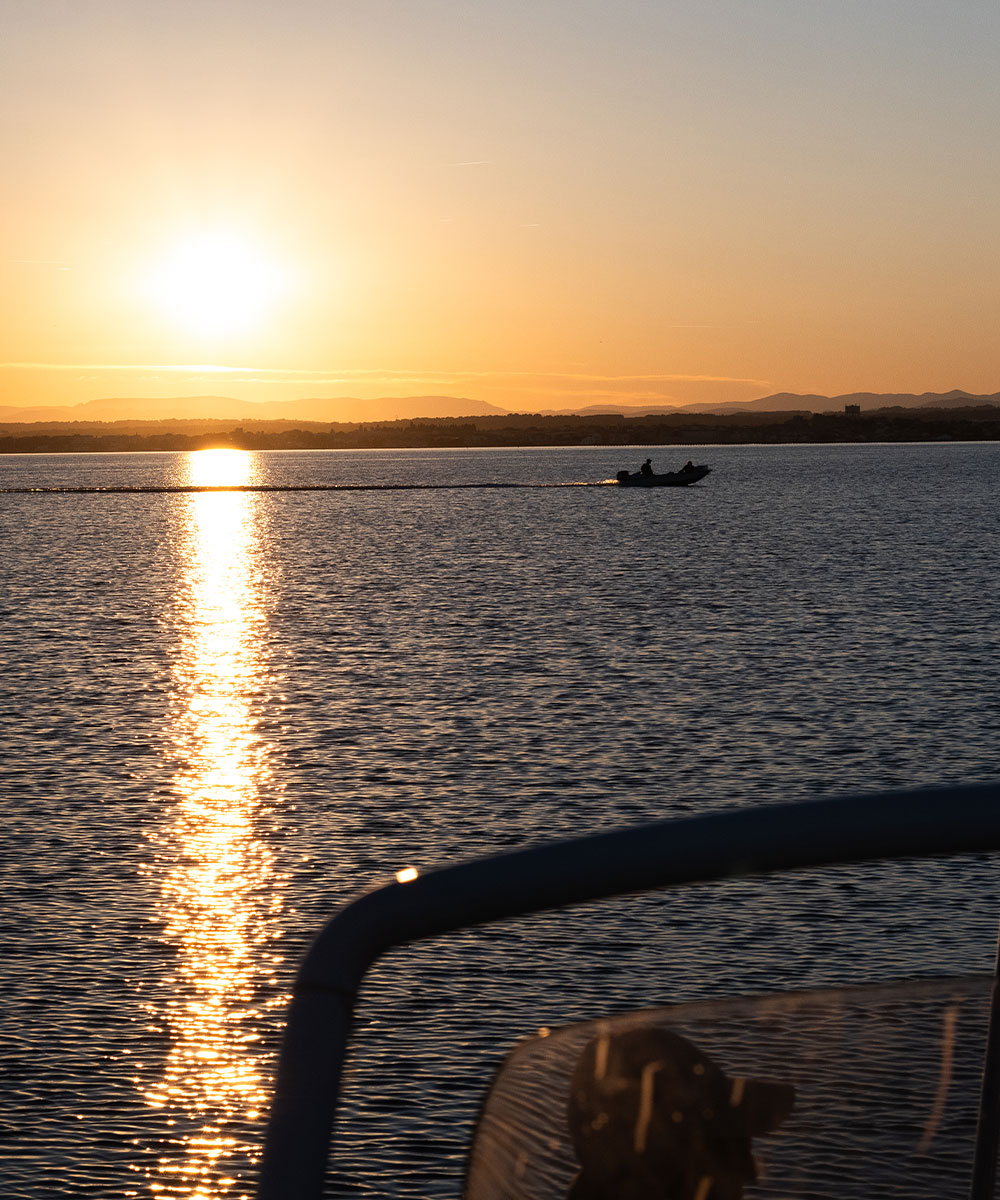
(218, 893)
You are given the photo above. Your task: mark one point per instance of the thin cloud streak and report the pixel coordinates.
(194, 368)
(362, 373)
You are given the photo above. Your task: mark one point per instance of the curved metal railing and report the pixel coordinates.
(745, 841)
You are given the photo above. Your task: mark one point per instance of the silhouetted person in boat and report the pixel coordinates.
(688, 466)
(647, 467)
(652, 1118)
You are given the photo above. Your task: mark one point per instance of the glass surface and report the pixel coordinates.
(835, 1095)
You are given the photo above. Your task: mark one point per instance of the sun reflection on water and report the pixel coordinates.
(222, 467)
(219, 892)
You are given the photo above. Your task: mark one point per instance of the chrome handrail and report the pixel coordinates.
(735, 842)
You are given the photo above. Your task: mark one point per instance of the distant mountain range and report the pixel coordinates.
(791, 402)
(349, 410)
(199, 408)
(794, 402)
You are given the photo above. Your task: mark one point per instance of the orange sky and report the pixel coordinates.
(536, 205)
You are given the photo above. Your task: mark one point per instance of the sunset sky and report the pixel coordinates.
(536, 204)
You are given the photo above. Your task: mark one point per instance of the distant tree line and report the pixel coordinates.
(517, 429)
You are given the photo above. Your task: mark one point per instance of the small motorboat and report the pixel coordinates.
(671, 479)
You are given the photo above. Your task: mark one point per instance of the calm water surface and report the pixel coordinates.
(226, 713)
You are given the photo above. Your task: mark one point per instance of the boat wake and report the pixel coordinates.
(288, 487)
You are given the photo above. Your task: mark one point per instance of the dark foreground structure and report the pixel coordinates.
(889, 1098)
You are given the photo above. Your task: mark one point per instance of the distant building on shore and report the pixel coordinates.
(852, 410)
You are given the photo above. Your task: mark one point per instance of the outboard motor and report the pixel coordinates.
(622, 476)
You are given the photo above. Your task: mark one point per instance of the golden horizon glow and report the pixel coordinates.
(643, 198)
(219, 890)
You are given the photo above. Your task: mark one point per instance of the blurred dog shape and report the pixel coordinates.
(652, 1118)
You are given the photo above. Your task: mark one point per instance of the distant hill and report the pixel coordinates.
(793, 402)
(784, 402)
(385, 408)
(200, 408)
(959, 399)
(609, 410)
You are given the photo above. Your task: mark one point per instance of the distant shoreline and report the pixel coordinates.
(979, 424)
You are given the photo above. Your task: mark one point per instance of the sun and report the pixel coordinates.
(217, 283)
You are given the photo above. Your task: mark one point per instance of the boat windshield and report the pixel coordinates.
(860, 1092)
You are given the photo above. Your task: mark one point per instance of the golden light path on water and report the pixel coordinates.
(218, 890)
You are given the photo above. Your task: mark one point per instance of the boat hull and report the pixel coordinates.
(671, 479)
